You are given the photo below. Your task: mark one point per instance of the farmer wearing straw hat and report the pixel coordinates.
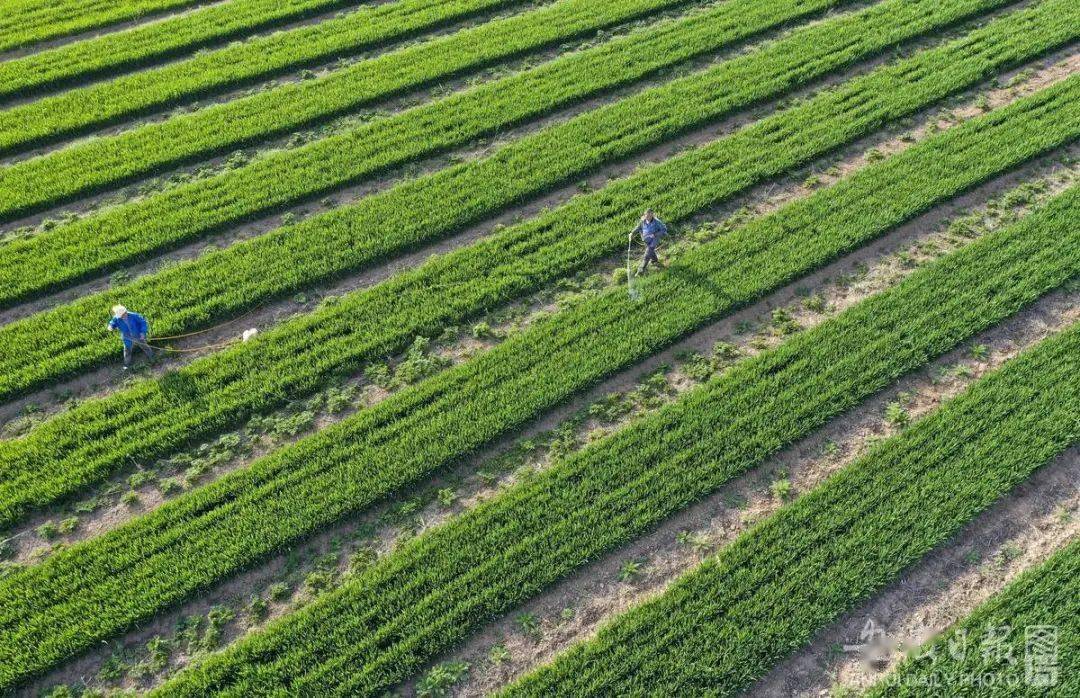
(651, 230)
(133, 330)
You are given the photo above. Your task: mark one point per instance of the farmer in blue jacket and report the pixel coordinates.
(133, 330)
(651, 230)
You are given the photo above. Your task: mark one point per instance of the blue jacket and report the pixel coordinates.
(651, 231)
(132, 326)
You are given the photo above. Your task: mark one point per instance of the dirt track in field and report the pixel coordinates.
(596, 595)
(278, 26)
(40, 46)
(221, 96)
(1016, 534)
(600, 593)
(103, 381)
(763, 199)
(351, 193)
(850, 159)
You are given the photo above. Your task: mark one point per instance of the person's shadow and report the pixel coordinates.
(726, 304)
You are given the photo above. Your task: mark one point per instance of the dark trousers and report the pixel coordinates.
(650, 256)
(129, 352)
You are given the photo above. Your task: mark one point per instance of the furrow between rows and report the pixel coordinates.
(239, 519)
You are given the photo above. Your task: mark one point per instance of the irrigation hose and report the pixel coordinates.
(215, 327)
(222, 345)
(208, 347)
(20, 534)
(191, 350)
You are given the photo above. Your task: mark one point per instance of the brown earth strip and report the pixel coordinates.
(573, 610)
(107, 508)
(1017, 83)
(843, 284)
(1018, 533)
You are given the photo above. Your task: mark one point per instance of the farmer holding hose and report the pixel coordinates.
(651, 230)
(133, 330)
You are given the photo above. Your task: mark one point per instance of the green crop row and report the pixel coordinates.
(430, 594)
(220, 284)
(91, 441)
(95, 589)
(1036, 624)
(26, 22)
(309, 101)
(289, 177)
(116, 51)
(727, 623)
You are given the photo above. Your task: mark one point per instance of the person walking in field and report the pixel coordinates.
(651, 230)
(133, 330)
